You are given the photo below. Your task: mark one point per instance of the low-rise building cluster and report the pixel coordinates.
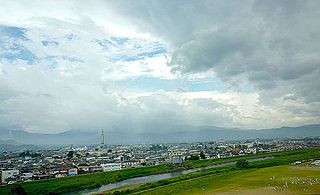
(70, 161)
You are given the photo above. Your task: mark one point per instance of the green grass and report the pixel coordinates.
(93, 180)
(205, 163)
(241, 180)
(186, 182)
(146, 186)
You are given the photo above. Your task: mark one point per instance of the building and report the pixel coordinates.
(296, 163)
(316, 162)
(26, 176)
(95, 168)
(102, 144)
(9, 175)
(111, 167)
(73, 172)
(84, 167)
(177, 159)
(130, 164)
(59, 174)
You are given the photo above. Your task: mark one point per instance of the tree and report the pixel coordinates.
(18, 190)
(242, 164)
(70, 154)
(28, 153)
(202, 156)
(192, 157)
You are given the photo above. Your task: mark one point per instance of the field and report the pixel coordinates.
(284, 179)
(257, 177)
(77, 183)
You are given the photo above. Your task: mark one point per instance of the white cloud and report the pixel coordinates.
(73, 82)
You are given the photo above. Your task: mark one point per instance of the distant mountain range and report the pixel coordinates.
(172, 135)
(11, 145)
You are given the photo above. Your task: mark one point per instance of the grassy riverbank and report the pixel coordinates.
(205, 163)
(209, 179)
(283, 179)
(87, 181)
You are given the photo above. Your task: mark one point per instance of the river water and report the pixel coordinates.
(156, 177)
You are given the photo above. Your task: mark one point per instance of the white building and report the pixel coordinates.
(129, 164)
(26, 177)
(60, 174)
(111, 166)
(177, 159)
(8, 174)
(316, 162)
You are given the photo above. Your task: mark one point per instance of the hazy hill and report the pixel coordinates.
(11, 145)
(175, 134)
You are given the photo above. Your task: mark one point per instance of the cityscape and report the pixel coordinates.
(21, 166)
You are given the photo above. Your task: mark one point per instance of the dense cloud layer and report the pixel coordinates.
(269, 43)
(89, 65)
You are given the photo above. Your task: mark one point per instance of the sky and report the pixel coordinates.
(134, 65)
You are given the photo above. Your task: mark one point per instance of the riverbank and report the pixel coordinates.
(275, 180)
(158, 177)
(87, 181)
(180, 184)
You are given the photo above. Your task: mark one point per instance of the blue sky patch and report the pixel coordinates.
(125, 49)
(148, 83)
(11, 45)
(179, 85)
(13, 32)
(207, 84)
(19, 53)
(54, 60)
(152, 53)
(49, 42)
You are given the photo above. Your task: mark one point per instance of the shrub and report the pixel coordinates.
(242, 164)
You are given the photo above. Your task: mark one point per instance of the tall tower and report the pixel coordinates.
(102, 138)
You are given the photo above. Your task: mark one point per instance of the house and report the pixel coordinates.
(95, 168)
(84, 167)
(72, 172)
(111, 167)
(296, 163)
(60, 174)
(9, 175)
(130, 163)
(177, 159)
(26, 176)
(316, 162)
(41, 176)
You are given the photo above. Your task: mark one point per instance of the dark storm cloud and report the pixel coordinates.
(268, 43)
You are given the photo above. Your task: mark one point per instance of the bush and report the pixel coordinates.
(202, 156)
(242, 164)
(18, 190)
(192, 157)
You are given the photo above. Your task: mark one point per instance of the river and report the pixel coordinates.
(156, 177)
